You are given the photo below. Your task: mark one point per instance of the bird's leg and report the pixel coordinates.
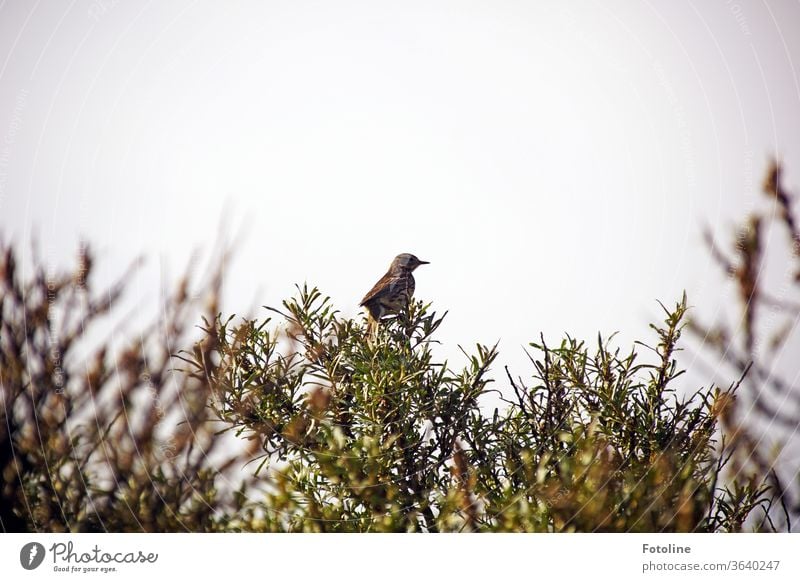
(405, 319)
(372, 328)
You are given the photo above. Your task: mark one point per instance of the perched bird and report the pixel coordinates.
(394, 289)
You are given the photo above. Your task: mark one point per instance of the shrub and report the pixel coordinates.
(88, 435)
(338, 429)
(364, 433)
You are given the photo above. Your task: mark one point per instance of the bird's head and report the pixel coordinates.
(406, 262)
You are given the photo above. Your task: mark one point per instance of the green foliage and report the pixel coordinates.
(370, 433)
(307, 421)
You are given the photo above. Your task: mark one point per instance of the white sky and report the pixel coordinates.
(554, 162)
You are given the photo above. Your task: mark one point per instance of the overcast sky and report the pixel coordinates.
(555, 163)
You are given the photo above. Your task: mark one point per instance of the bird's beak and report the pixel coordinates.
(424, 262)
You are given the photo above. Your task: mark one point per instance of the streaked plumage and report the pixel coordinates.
(393, 291)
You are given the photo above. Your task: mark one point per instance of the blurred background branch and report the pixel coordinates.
(762, 338)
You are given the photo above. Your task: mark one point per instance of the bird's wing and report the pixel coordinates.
(385, 285)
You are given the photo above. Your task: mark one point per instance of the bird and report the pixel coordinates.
(394, 290)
